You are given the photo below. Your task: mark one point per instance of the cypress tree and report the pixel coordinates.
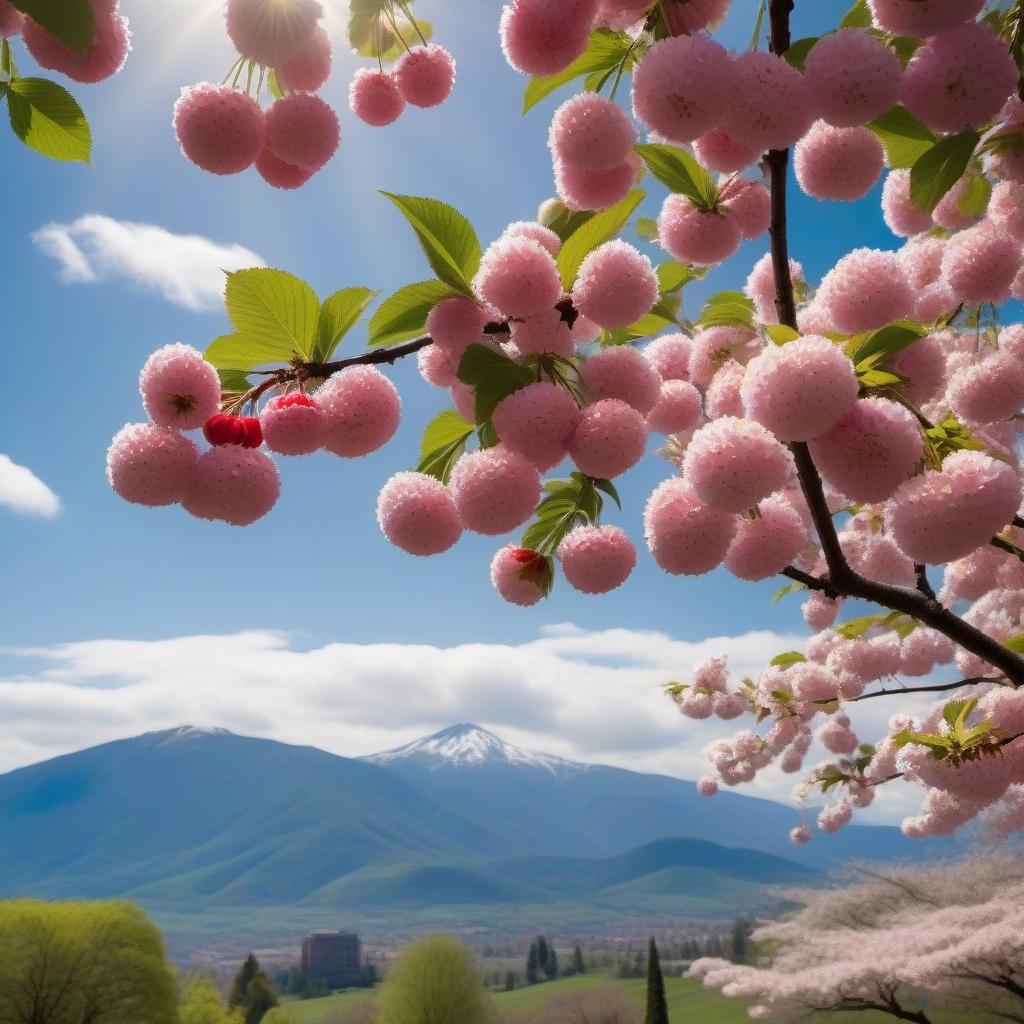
(551, 965)
(578, 967)
(542, 955)
(249, 969)
(738, 945)
(657, 1005)
(532, 966)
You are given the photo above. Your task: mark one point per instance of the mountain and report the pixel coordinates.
(201, 824)
(568, 808)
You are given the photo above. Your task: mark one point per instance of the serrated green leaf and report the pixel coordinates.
(680, 172)
(71, 21)
(403, 316)
(239, 352)
(956, 712)
(273, 310)
(975, 199)
(797, 53)
(389, 46)
(936, 171)
(903, 137)
(233, 383)
(446, 237)
(605, 50)
(48, 119)
(596, 231)
(858, 16)
(567, 504)
(339, 313)
(858, 627)
(444, 441)
(493, 375)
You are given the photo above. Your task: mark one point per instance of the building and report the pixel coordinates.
(334, 958)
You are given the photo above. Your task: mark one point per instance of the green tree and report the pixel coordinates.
(249, 969)
(202, 1005)
(260, 998)
(532, 965)
(739, 940)
(76, 963)
(510, 981)
(578, 966)
(551, 966)
(657, 1005)
(434, 982)
(543, 952)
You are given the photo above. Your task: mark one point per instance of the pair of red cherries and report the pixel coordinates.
(222, 428)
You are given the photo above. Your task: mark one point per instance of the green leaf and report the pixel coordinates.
(370, 32)
(273, 85)
(858, 627)
(647, 228)
(787, 659)
(609, 488)
(652, 323)
(233, 383)
(868, 350)
(446, 237)
(338, 315)
(388, 46)
(936, 171)
(605, 50)
(672, 276)
(1015, 643)
(781, 334)
(8, 65)
(956, 712)
(904, 138)
(493, 375)
(680, 172)
(274, 310)
(858, 16)
(974, 202)
(71, 21)
(728, 309)
(403, 316)
(239, 352)
(596, 231)
(568, 222)
(566, 505)
(797, 53)
(48, 119)
(789, 588)
(444, 441)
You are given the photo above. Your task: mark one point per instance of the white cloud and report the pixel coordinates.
(22, 491)
(185, 269)
(592, 696)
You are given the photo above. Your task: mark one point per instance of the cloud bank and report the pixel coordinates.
(185, 269)
(22, 491)
(591, 696)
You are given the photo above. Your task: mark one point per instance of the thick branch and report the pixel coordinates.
(842, 578)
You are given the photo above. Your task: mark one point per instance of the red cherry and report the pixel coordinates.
(252, 433)
(223, 428)
(535, 567)
(296, 398)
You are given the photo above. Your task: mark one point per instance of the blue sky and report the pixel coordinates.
(316, 568)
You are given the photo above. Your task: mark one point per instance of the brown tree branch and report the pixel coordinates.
(937, 688)
(842, 578)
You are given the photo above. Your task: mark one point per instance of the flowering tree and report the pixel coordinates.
(852, 437)
(891, 940)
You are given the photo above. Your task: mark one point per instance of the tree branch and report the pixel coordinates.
(842, 577)
(938, 688)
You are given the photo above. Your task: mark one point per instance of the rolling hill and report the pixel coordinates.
(203, 821)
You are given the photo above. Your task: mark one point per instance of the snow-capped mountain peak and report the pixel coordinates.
(467, 746)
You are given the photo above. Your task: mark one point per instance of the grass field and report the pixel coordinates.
(688, 1002)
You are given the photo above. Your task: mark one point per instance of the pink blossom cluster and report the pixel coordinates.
(235, 480)
(223, 129)
(104, 57)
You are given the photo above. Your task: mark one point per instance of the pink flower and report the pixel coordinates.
(979, 265)
(374, 97)
(695, 235)
(278, 174)
(538, 39)
(769, 104)
(766, 544)
(150, 465)
(719, 151)
(684, 536)
(425, 76)
(362, 409)
(609, 439)
(293, 424)
(455, 323)
(308, 69)
(104, 57)
(750, 204)
(800, 389)
(518, 276)
(920, 18)
(271, 31)
(520, 575)
(615, 285)
(537, 421)
(902, 216)
(591, 133)
(581, 189)
(302, 130)
(232, 484)
(495, 490)
(596, 559)
(669, 355)
(838, 163)
(865, 290)
(989, 391)
(677, 410)
(417, 514)
(622, 372)
(179, 388)
(218, 128)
